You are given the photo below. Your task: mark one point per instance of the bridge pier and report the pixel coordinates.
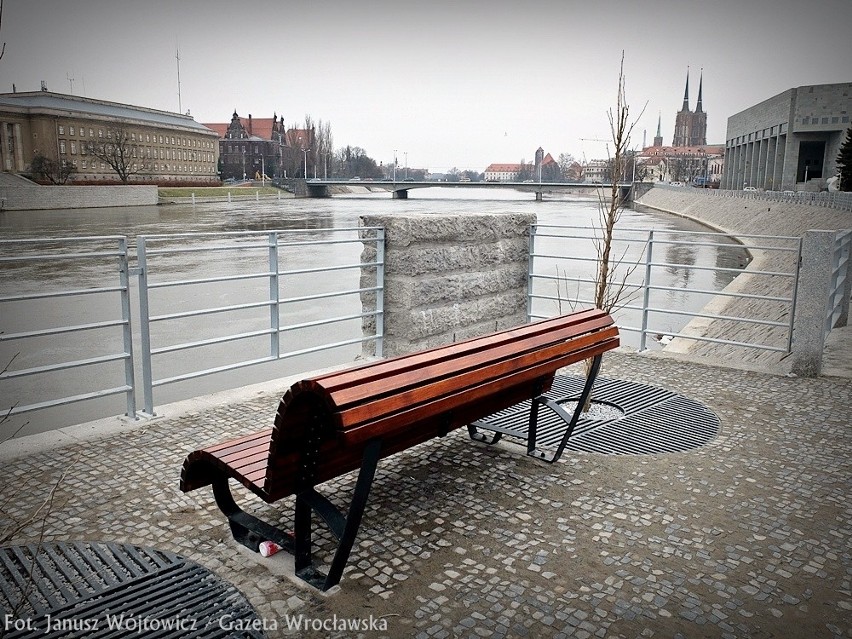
(401, 194)
(539, 196)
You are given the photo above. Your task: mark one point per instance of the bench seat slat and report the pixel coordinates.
(361, 376)
(416, 378)
(408, 417)
(455, 383)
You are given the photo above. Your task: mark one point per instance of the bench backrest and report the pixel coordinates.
(410, 399)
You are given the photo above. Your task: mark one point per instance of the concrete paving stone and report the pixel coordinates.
(455, 530)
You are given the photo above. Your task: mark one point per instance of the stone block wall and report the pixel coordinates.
(447, 277)
(36, 197)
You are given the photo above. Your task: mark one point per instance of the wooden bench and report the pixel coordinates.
(335, 423)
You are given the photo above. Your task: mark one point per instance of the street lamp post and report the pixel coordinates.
(305, 152)
(394, 165)
(406, 165)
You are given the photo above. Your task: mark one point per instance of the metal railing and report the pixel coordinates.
(294, 290)
(246, 288)
(839, 200)
(639, 265)
(838, 300)
(93, 258)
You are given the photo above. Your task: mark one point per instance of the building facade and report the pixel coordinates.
(162, 148)
(691, 126)
(250, 148)
(790, 141)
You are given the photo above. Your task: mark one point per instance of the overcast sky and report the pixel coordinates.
(452, 83)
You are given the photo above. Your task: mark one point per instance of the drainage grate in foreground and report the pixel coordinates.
(655, 420)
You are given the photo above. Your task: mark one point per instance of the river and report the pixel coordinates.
(309, 215)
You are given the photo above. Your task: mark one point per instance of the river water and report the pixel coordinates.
(310, 218)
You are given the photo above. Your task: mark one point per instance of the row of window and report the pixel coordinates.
(149, 152)
(80, 131)
(94, 165)
(824, 120)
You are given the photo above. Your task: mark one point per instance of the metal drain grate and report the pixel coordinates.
(77, 589)
(655, 420)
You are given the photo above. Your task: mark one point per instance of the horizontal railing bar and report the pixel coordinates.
(24, 372)
(586, 280)
(745, 320)
(242, 247)
(209, 280)
(269, 358)
(726, 342)
(723, 293)
(325, 269)
(62, 329)
(213, 371)
(322, 322)
(213, 340)
(720, 269)
(319, 296)
(756, 247)
(76, 239)
(45, 295)
(673, 232)
(210, 311)
(568, 257)
(61, 256)
(17, 410)
(168, 236)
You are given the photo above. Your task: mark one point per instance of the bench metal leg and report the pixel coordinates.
(570, 420)
(247, 529)
(476, 436)
(345, 529)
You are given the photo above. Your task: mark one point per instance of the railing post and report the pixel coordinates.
(274, 298)
(380, 292)
(127, 332)
(843, 259)
(812, 303)
(145, 329)
(530, 272)
(646, 294)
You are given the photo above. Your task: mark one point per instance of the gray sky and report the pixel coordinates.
(452, 83)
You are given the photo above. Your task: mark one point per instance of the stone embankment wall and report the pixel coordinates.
(22, 195)
(739, 217)
(448, 277)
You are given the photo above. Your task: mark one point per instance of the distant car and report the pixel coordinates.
(750, 189)
(789, 193)
(528, 181)
(464, 179)
(355, 179)
(676, 183)
(408, 180)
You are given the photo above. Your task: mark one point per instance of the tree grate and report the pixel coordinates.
(655, 420)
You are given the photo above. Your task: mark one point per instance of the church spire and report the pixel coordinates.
(685, 106)
(659, 123)
(700, 83)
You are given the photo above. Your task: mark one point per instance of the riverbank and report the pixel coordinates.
(742, 217)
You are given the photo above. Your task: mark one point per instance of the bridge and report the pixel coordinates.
(318, 187)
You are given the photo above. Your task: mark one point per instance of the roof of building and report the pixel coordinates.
(73, 104)
(503, 168)
(257, 128)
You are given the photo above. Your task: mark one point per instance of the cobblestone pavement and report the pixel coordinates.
(748, 536)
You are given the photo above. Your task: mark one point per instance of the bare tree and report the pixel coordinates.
(55, 172)
(120, 151)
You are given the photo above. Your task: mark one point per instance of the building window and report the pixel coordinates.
(825, 120)
(84, 163)
(71, 130)
(73, 148)
(100, 133)
(91, 133)
(835, 120)
(83, 148)
(61, 130)
(62, 146)
(133, 137)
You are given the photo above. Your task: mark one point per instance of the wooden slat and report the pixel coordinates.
(332, 382)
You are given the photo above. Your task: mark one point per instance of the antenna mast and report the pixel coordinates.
(177, 57)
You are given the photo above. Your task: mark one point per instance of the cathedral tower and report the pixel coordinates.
(691, 126)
